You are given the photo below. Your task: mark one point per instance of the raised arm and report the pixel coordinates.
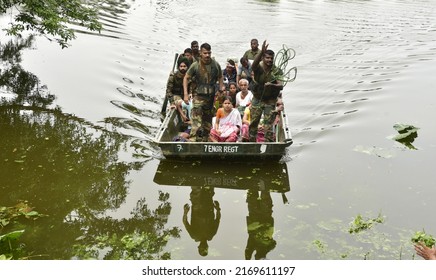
(258, 57)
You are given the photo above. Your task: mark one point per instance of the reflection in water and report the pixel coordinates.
(141, 237)
(407, 134)
(257, 179)
(18, 85)
(260, 224)
(204, 221)
(265, 175)
(349, 50)
(70, 170)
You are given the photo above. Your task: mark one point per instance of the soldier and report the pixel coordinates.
(188, 54)
(204, 74)
(251, 53)
(195, 51)
(175, 83)
(266, 89)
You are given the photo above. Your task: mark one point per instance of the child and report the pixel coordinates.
(233, 90)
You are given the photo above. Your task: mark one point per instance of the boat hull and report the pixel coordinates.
(171, 126)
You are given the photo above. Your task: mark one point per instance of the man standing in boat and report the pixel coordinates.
(266, 89)
(251, 53)
(204, 75)
(195, 51)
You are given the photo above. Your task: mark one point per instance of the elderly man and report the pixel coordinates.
(204, 75)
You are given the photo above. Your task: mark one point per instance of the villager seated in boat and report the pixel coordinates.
(219, 99)
(246, 124)
(232, 91)
(277, 112)
(227, 123)
(229, 73)
(244, 70)
(185, 114)
(185, 111)
(243, 97)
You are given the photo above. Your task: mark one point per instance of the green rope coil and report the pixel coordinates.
(281, 59)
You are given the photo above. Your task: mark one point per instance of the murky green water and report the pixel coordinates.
(75, 126)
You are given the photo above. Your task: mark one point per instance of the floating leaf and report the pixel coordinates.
(32, 214)
(11, 235)
(5, 258)
(4, 222)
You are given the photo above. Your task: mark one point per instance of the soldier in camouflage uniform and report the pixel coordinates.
(204, 74)
(266, 89)
(175, 83)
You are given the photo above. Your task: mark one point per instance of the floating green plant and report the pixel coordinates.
(422, 237)
(359, 224)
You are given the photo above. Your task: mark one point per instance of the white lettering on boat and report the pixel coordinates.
(263, 148)
(226, 182)
(220, 149)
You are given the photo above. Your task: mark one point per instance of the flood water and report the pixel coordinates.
(76, 124)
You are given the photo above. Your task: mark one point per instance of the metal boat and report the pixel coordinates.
(172, 125)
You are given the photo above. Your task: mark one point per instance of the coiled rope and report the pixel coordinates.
(281, 59)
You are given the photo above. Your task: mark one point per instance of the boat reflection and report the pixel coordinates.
(261, 176)
(204, 177)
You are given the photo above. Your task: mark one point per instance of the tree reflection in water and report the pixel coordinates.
(70, 170)
(22, 86)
